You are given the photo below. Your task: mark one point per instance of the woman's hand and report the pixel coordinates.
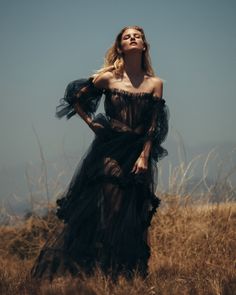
(141, 165)
(96, 127)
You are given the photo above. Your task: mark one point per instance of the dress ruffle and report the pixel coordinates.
(88, 96)
(107, 209)
(158, 135)
(82, 91)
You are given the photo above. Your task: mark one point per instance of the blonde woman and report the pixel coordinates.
(110, 201)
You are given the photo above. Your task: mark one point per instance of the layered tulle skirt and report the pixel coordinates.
(106, 211)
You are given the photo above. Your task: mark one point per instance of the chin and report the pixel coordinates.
(133, 49)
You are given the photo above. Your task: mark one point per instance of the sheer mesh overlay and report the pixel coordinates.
(107, 209)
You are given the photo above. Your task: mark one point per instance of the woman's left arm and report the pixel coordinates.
(157, 95)
(141, 165)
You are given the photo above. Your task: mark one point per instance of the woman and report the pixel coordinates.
(110, 201)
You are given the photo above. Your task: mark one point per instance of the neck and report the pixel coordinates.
(132, 64)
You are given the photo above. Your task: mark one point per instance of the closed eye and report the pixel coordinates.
(125, 37)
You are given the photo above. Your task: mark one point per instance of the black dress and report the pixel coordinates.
(106, 209)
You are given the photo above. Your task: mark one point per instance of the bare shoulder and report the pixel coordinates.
(102, 80)
(157, 85)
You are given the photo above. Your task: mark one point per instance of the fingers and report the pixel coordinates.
(96, 127)
(138, 169)
(134, 168)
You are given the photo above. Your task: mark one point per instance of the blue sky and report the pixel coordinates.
(46, 44)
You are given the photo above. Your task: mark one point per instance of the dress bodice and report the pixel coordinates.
(141, 113)
(131, 109)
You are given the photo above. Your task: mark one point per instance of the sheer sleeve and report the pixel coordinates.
(80, 91)
(158, 128)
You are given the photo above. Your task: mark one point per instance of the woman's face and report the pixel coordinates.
(132, 40)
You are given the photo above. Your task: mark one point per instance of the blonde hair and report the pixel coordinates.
(114, 61)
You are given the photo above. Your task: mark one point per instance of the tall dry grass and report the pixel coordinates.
(192, 240)
(193, 252)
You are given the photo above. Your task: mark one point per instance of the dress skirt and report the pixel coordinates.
(107, 208)
(107, 211)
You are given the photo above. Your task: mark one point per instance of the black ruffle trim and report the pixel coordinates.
(82, 91)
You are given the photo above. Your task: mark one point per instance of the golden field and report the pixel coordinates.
(193, 252)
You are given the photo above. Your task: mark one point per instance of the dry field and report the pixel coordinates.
(193, 252)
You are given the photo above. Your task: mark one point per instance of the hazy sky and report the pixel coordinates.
(46, 44)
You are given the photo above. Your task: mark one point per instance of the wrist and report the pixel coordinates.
(143, 156)
(89, 121)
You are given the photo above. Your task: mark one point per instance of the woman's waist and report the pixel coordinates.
(116, 125)
(120, 126)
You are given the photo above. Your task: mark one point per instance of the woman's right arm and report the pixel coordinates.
(88, 120)
(82, 114)
(101, 82)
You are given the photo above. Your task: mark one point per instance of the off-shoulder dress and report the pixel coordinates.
(107, 209)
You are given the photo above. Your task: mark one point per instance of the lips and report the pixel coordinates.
(131, 43)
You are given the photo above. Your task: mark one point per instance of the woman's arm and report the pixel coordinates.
(141, 165)
(100, 82)
(146, 149)
(82, 114)
(157, 93)
(88, 120)
(83, 92)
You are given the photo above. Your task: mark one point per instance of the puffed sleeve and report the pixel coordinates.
(158, 128)
(80, 91)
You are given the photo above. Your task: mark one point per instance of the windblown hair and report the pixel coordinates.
(114, 60)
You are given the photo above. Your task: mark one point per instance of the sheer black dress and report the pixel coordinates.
(106, 208)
